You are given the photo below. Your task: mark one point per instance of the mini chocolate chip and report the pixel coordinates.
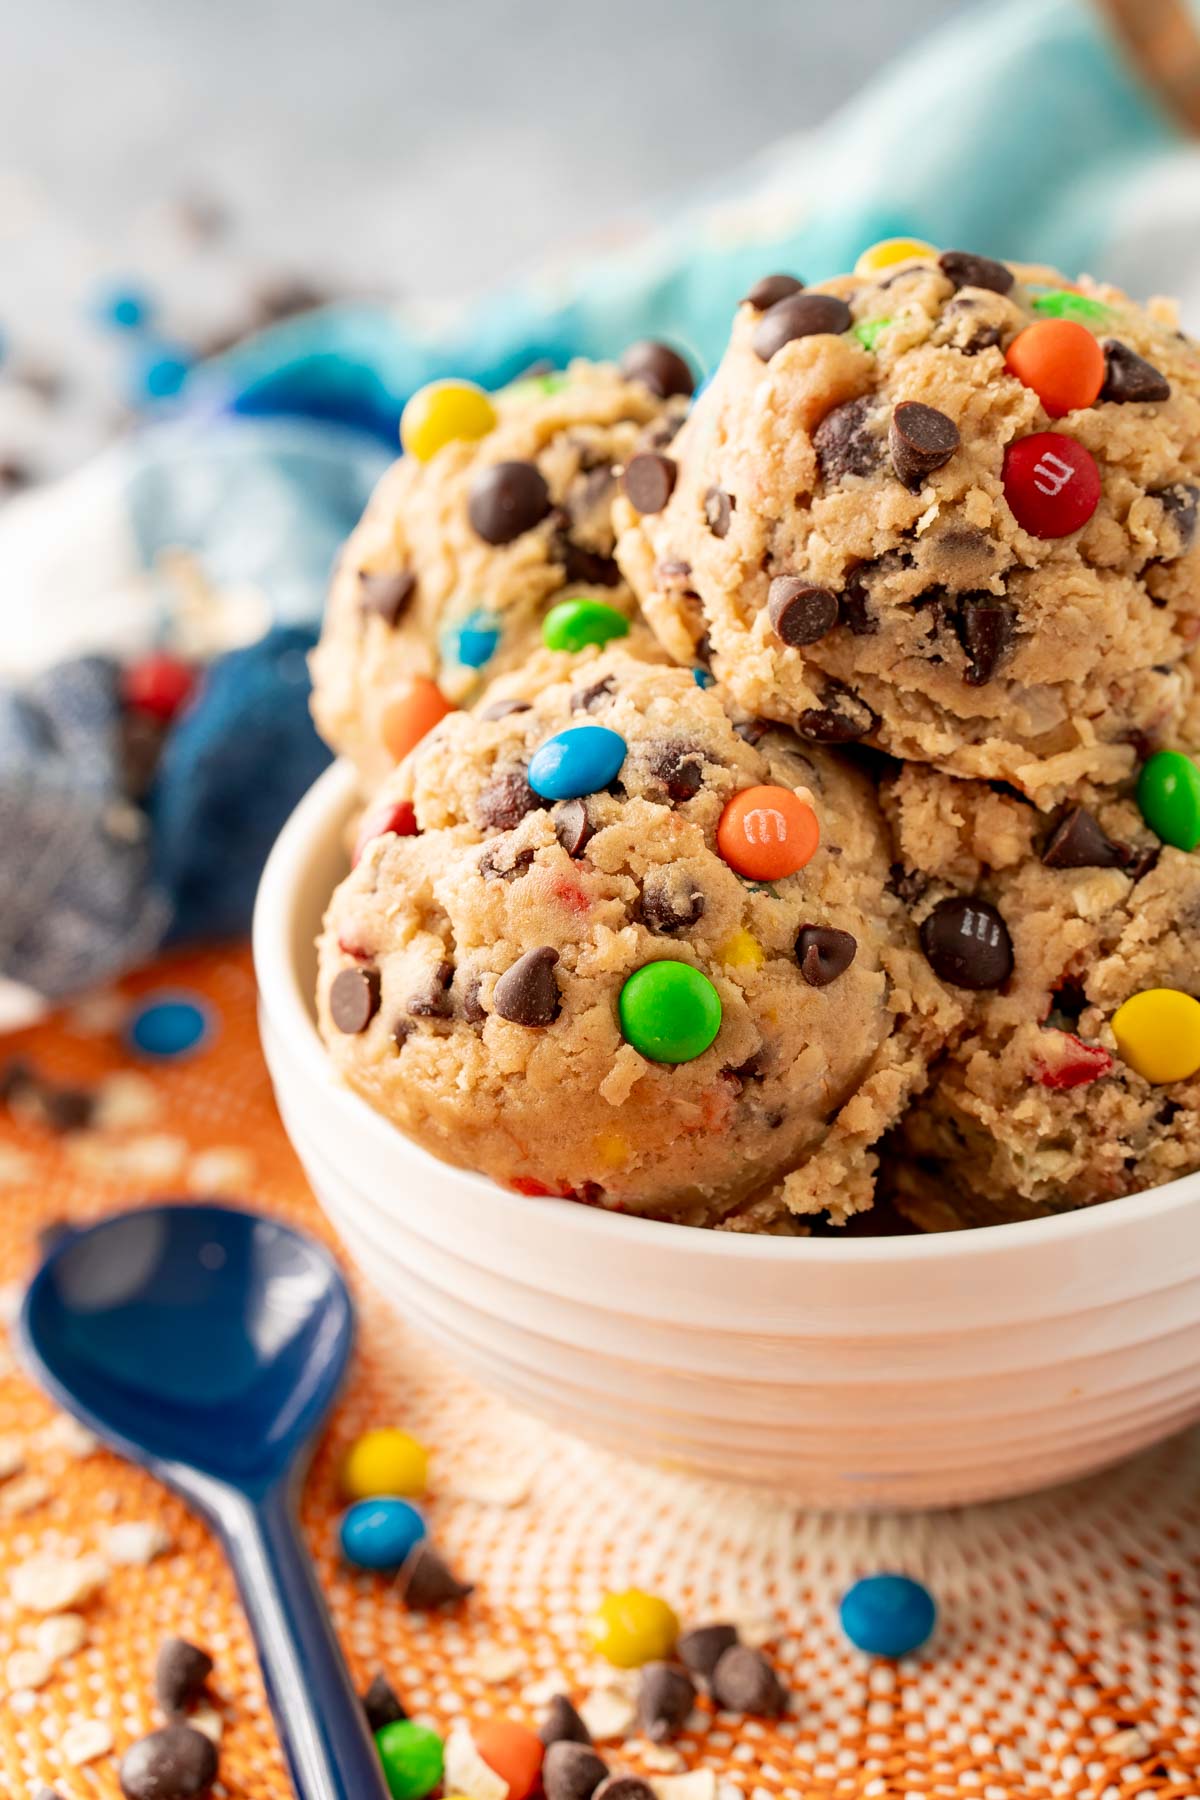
(679, 767)
(1128, 376)
(965, 269)
(909, 885)
(966, 943)
(985, 627)
(753, 731)
(824, 953)
(571, 1770)
(506, 500)
(588, 699)
(800, 612)
(500, 862)
(1179, 502)
(1079, 842)
(671, 901)
(718, 511)
(744, 1682)
(624, 1787)
(770, 291)
(381, 1704)
(354, 999)
(666, 1695)
(388, 596)
(402, 1030)
(176, 1763)
(842, 720)
(432, 999)
(472, 1008)
(855, 607)
(844, 443)
(562, 1724)
(426, 1580)
(180, 1673)
(657, 367)
(799, 316)
(527, 993)
(702, 1649)
(504, 709)
(66, 1109)
(649, 481)
(504, 802)
(572, 827)
(921, 439)
(673, 572)
(589, 567)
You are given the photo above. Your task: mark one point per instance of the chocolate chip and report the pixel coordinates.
(744, 1682)
(800, 612)
(504, 802)
(180, 1673)
(66, 1109)
(572, 827)
(432, 999)
(588, 567)
(354, 999)
(426, 1580)
(381, 1704)
(571, 1770)
(770, 291)
(753, 731)
(844, 443)
(718, 511)
(824, 953)
(921, 439)
(176, 1763)
(799, 316)
(562, 1724)
(472, 1008)
(501, 862)
(588, 699)
(855, 607)
(504, 709)
(402, 1030)
(671, 901)
(966, 943)
(528, 992)
(657, 367)
(666, 1695)
(965, 269)
(1079, 842)
(679, 767)
(624, 1787)
(388, 596)
(506, 500)
(649, 481)
(842, 720)
(1179, 503)
(1128, 376)
(702, 1649)
(985, 627)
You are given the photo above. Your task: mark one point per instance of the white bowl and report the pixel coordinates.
(904, 1371)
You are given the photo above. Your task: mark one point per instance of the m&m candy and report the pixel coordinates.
(889, 251)
(669, 1011)
(158, 685)
(1158, 1034)
(513, 1752)
(765, 833)
(633, 1627)
(1169, 797)
(1051, 483)
(472, 642)
(578, 761)
(379, 1533)
(441, 412)
(385, 1461)
(413, 1759)
(574, 624)
(396, 816)
(411, 709)
(888, 1615)
(1061, 361)
(1064, 303)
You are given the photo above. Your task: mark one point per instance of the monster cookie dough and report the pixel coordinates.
(500, 508)
(946, 505)
(1071, 940)
(612, 947)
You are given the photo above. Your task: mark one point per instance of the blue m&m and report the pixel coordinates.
(888, 1615)
(472, 642)
(378, 1534)
(580, 761)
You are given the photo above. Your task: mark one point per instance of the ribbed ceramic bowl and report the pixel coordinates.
(866, 1373)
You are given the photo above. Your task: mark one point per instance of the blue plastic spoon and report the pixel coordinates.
(208, 1345)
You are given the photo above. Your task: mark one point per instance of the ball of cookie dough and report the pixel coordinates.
(1042, 1101)
(559, 977)
(948, 507)
(447, 579)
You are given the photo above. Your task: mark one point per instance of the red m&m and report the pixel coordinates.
(158, 685)
(397, 816)
(1051, 484)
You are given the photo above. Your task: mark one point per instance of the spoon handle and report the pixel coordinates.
(321, 1723)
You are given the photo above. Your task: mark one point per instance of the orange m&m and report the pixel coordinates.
(513, 1752)
(1061, 361)
(767, 832)
(411, 709)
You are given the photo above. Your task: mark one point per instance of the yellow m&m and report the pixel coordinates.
(385, 1462)
(633, 1628)
(441, 412)
(892, 250)
(1158, 1034)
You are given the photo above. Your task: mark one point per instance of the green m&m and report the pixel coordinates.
(1169, 796)
(413, 1759)
(669, 1011)
(574, 624)
(1061, 303)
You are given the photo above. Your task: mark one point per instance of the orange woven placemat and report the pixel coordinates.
(1067, 1660)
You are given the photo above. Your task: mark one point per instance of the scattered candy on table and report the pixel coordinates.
(442, 412)
(765, 833)
(574, 624)
(1061, 361)
(166, 1026)
(413, 1759)
(380, 1533)
(1168, 794)
(888, 1615)
(1158, 1034)
(1051, 483)
(413, 708)
(513, 1752)
(633, 1627)
(385, 1461)
(579, 761)
(670, 1012)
